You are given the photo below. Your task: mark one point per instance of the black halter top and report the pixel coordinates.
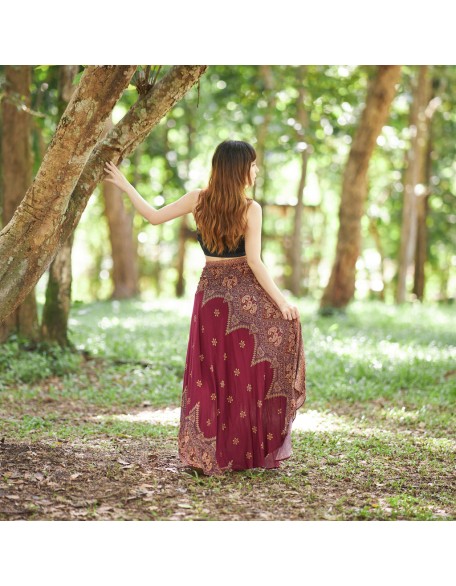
(239, 251)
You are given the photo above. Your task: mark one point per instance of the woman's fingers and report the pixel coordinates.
(111, 169)
(289, 312)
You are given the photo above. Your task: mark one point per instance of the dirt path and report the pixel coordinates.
(131, 479)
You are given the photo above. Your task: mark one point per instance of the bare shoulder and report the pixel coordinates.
(195, 195)
(254, 212)
(254, 205)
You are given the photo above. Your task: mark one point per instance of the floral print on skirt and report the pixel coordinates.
(244, 375)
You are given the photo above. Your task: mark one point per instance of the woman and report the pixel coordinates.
(244, 375)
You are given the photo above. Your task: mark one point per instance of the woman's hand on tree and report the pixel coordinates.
(115, 176)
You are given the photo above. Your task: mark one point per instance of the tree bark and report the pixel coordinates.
(341, 286)
(422, 213)
(17, 177)
(29, 242)
(183, 228)
(262, 133)
(123, 246)
(54, 324)
(67, 209)
(373, 230)
(421, 245)
(423, 202)
(296, 241)
(414, 183)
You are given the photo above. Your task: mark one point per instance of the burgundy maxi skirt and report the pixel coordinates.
(244, 375)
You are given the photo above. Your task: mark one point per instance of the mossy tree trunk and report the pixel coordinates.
(30, 241)
(54, 323)
(53, 206)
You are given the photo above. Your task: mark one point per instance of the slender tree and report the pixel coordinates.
(17, 177)
(303, 150)
(415, 177)
(269, 93)
(341, 286)
(124, 250)
(421, 230)
(184, 230)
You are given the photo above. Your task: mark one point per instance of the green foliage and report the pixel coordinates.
(21, 365)
(400, 356)
(232, 102)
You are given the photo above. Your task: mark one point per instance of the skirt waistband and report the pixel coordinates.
(227, 261)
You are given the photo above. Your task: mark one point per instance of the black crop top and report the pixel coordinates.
(240, 250)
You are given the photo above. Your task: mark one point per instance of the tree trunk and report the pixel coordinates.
(421, 230)
(414, 178)
(263, 129)
(421, 244)
(123, 245)
(17, 177)
(29, 242)
(373, 230)
(43, 235)
(54, 324)
(423, 205)
(183, 228)
(341, 286)
(296, 241)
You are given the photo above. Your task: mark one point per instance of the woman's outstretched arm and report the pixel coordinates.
(182, 206)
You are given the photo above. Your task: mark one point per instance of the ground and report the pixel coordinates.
(95, 439)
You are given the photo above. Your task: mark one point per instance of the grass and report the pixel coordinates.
(374, 441)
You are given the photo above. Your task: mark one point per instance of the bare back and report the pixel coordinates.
(251, 233)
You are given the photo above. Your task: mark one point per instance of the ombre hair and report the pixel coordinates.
(220, 213)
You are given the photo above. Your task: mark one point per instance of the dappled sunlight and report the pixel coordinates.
(359, 349)
(116, 313)
(402, 414)
(310, 420)
(126, 323)
(180, 307)
(167, 416)
(400, 353)
(318, 421)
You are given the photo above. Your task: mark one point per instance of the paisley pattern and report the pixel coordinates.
(244, 375)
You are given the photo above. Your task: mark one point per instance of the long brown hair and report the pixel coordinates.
(220, 213)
